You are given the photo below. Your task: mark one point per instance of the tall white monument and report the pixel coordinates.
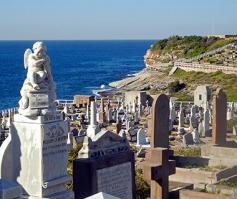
(93, 128)
(39, 134)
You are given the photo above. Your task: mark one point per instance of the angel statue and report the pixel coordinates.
(38, 81)
(36, 63)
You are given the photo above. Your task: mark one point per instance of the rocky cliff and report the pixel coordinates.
(160, 59)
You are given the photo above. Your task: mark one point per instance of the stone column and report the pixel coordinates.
(92, 129)
(219, 123)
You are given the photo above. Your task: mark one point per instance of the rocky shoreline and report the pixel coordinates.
(146, 79)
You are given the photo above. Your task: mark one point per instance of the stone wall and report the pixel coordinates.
(207, 68)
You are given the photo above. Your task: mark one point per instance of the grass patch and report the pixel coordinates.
(231, 123)
(226, 81)
(216, 168)
(228, 184)
(187, 151)
(182, 96)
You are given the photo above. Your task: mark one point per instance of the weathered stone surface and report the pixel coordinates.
(141, 137)
(105, 164)
(93, 128)
(219, 123)
(188, 194)
(6, 161)
(202, 96)
(188, 139)
(37, 148)
(157, 166)
(116, 180)
(159, 127)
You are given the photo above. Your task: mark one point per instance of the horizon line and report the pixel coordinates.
(79, 39)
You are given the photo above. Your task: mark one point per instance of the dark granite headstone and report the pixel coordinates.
(104, 164)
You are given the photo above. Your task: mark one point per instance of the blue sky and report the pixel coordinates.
(115, 19)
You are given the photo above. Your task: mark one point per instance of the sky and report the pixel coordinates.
(114, 19)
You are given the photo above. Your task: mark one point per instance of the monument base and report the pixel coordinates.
(40, 156)
(9, 190)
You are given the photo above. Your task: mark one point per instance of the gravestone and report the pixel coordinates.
(157, 166)
(93, 128)
(102, 118)
(187, 139)
(159, 125)
(141, 137)
(39, 135)
(206, 120)
(196, 136)
(172, 112)
(234, 130)
(109, 115)
(181, 116)
(219, 123)
(36, 144)
(105, 164)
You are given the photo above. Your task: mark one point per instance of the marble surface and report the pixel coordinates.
(101, 195)
(38, 90)
(116, 180)
(40, 156)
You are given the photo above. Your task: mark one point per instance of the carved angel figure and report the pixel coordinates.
(37, 63)
(38, 80)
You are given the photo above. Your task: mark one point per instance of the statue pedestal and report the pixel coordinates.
(9, 190)
(40, 156)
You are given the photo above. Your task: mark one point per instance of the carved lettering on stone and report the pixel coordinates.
(116, 180)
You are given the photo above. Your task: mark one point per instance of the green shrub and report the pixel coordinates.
(188, 46)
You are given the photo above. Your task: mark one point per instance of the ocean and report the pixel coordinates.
(78, 67)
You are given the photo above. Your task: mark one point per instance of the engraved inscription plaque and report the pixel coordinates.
(54, 148)
(38, 100)
(116, 180)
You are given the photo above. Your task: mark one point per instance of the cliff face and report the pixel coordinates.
(153, 59)
(163, 55)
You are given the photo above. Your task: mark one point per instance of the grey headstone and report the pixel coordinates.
(188, 139)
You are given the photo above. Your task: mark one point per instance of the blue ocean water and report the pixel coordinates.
(77, 66)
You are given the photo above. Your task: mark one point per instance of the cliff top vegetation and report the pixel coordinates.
(188, 46)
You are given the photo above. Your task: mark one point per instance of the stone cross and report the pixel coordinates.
(157, 169)
(157, 166)
(219, 123)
